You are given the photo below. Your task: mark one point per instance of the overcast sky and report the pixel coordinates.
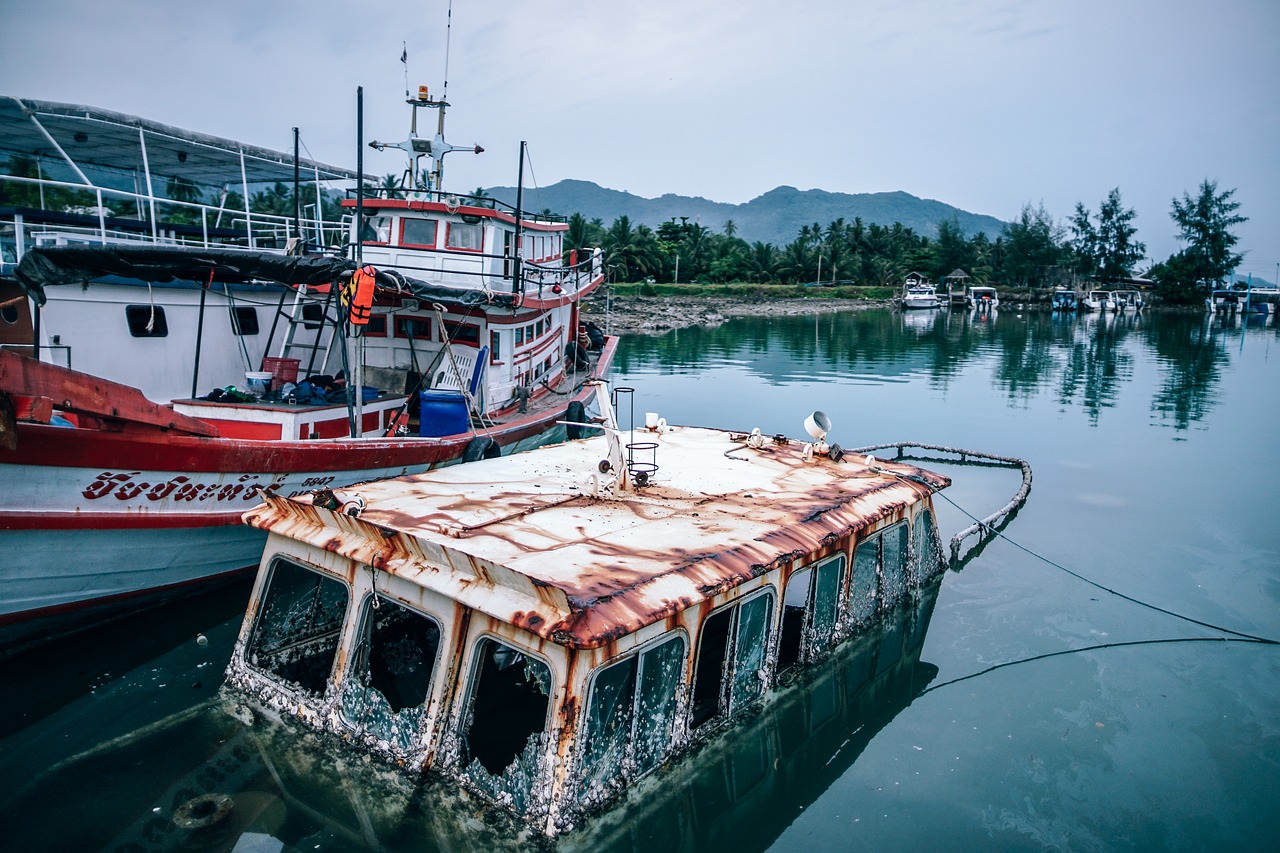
(983, 104)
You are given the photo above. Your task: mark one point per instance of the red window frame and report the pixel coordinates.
(435, 234)
(448, 238)
(402, 332)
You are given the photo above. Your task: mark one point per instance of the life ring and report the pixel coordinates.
(481, 447)
(575, 414)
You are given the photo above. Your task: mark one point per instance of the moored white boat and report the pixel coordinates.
(921, 295)
(469, 311)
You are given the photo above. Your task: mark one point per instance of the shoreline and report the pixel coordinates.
(656, 315)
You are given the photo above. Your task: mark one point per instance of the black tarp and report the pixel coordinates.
(79, 264)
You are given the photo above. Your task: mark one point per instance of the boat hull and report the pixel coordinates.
(94, 523)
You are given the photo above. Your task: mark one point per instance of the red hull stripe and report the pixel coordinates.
(116, 520)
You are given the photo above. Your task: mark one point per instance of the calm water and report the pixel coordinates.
(1014, 707)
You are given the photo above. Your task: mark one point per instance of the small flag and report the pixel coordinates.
(404, 54)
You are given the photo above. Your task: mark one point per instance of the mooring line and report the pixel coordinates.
(986, 525)
(1094, 648)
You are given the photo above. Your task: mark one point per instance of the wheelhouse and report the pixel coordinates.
(549, 645)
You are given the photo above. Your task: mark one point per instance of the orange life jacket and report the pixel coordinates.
(358, 294)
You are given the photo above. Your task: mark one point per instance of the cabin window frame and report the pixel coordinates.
(377, 326)
(264, 598)
(136, 318)
(471, 330)
(727, 702)
(309, 319)
(466, 716)
(888, 593)
(244, 320)
(405, 322)
(363, 628)
(917, 571)
(380, 238)
(459, 228)
(414, 244)
(809, 645)
(627, 768)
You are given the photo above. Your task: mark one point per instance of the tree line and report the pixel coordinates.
(1033, 251)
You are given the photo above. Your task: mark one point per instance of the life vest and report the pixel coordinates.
(358, 295)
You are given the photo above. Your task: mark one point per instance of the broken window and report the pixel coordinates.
(893, 564)
(928, 556)
(865, 583)
(731, 654)
(810, 609)
(390, 679)
(502, 737)
(298, 626)
(631, 713)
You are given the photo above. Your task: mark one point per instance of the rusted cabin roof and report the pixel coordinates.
(521, 538)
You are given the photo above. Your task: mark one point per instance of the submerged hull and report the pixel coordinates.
(94, 523)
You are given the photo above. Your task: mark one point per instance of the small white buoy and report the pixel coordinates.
(202, 640)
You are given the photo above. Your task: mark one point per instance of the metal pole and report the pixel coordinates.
(297, 199)
(517, 286)
(151, 196)
(248, 216)
(195, 372)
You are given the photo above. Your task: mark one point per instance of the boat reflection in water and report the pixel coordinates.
(281, 786)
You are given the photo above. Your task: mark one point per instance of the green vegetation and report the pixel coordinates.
(1033, 253)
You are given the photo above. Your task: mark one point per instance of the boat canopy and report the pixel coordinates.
(93, 136)
(77, 264)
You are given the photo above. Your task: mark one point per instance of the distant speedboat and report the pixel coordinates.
(1127, 300)
(1065, 299)
(1097, 300)
(919, 295)
(982, 299)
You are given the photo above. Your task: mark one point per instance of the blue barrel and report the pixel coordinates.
(442, 413)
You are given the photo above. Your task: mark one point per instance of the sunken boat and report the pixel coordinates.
(545, 629)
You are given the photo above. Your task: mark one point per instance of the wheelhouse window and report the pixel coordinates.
(392, 670)
(927, 560)
(312, 315)
(377, 326)
(244, 320)
(463, 333)
(506, 721)
(729, 672)
(146, 321)
(413, 327)
(465, 236)
(631, 713)
(418, 232)
(810, 610)
(297, 630)
(377, 229)
(880, 568)
(495, 347)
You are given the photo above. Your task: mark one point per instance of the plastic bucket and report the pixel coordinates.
(258, 382)
(442, 413)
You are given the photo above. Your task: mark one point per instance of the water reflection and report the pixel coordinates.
(201, 779)
(1075, 360)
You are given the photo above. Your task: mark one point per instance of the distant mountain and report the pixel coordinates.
(775, 217)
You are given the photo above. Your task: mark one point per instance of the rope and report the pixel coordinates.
(1093, 648)
(986, 525)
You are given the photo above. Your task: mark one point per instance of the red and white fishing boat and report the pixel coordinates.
(471, 329)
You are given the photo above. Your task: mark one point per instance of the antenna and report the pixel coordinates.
(448, 34)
